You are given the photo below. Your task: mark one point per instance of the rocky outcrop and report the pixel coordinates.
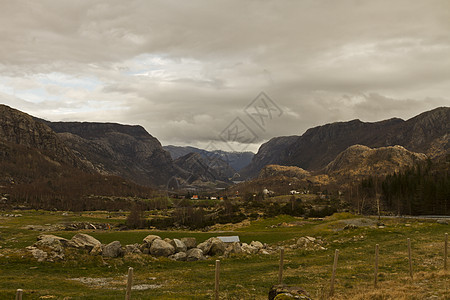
(277, 170)
(282, 291)
(361, 160)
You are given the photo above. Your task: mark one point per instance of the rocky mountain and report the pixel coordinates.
(236, 160)
(18, 128)
(426, 133)
(115, 149)
(202, 169)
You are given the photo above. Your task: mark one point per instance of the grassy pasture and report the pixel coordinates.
(82, 276)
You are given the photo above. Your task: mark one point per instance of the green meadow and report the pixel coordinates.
(242, 276)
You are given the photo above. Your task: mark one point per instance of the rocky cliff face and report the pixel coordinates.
(114, 149)
(426, 133)
(18, 128)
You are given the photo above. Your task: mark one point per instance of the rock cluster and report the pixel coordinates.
(51, 248)
(309, 243)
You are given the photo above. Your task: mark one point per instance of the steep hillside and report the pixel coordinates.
(18, 128)
(426, 133)
(236, 160)
(115, 149)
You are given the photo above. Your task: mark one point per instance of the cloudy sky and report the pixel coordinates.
(191, 72)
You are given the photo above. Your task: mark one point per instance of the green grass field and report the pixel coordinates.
(82, 276)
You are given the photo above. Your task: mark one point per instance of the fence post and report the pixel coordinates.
(410, 259)
(445, 251)
(333, 275)
(376, 266)
(129, 283)
(216, 286)
(280, 270)
(19, 294)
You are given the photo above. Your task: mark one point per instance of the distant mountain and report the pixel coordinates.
(426, 133)
(201, 169)
(237, 160)
(115, 149)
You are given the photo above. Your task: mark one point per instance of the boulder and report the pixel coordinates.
(180, 256)
(38, 254)
(190, 242)
(234, 248)
(161, 248)
(257, 245)
(195, 254)
(178, 245)
(84, 241)
(205, 246)
(281, 291)
(217, 247)
(50, 239)
(167, 240)
(149, 239)
(113, 249)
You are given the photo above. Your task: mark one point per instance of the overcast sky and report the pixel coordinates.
(185, 70)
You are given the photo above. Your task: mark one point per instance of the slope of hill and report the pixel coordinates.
(237, 160)
(427, 133)
(115, 149)
(359, 161)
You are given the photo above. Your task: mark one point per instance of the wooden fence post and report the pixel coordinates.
(129, 283)
(280, 270)
(19, 294)
(216, 286)
(333, 275)
(445, 251)
(410, 259)
(376, 266)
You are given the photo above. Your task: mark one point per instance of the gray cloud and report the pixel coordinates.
(186, 69)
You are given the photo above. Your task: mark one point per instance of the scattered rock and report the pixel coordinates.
(85, 241)
(38, 253)
(161, 248)
(249, 249)
(281, 291)
(113, 249)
